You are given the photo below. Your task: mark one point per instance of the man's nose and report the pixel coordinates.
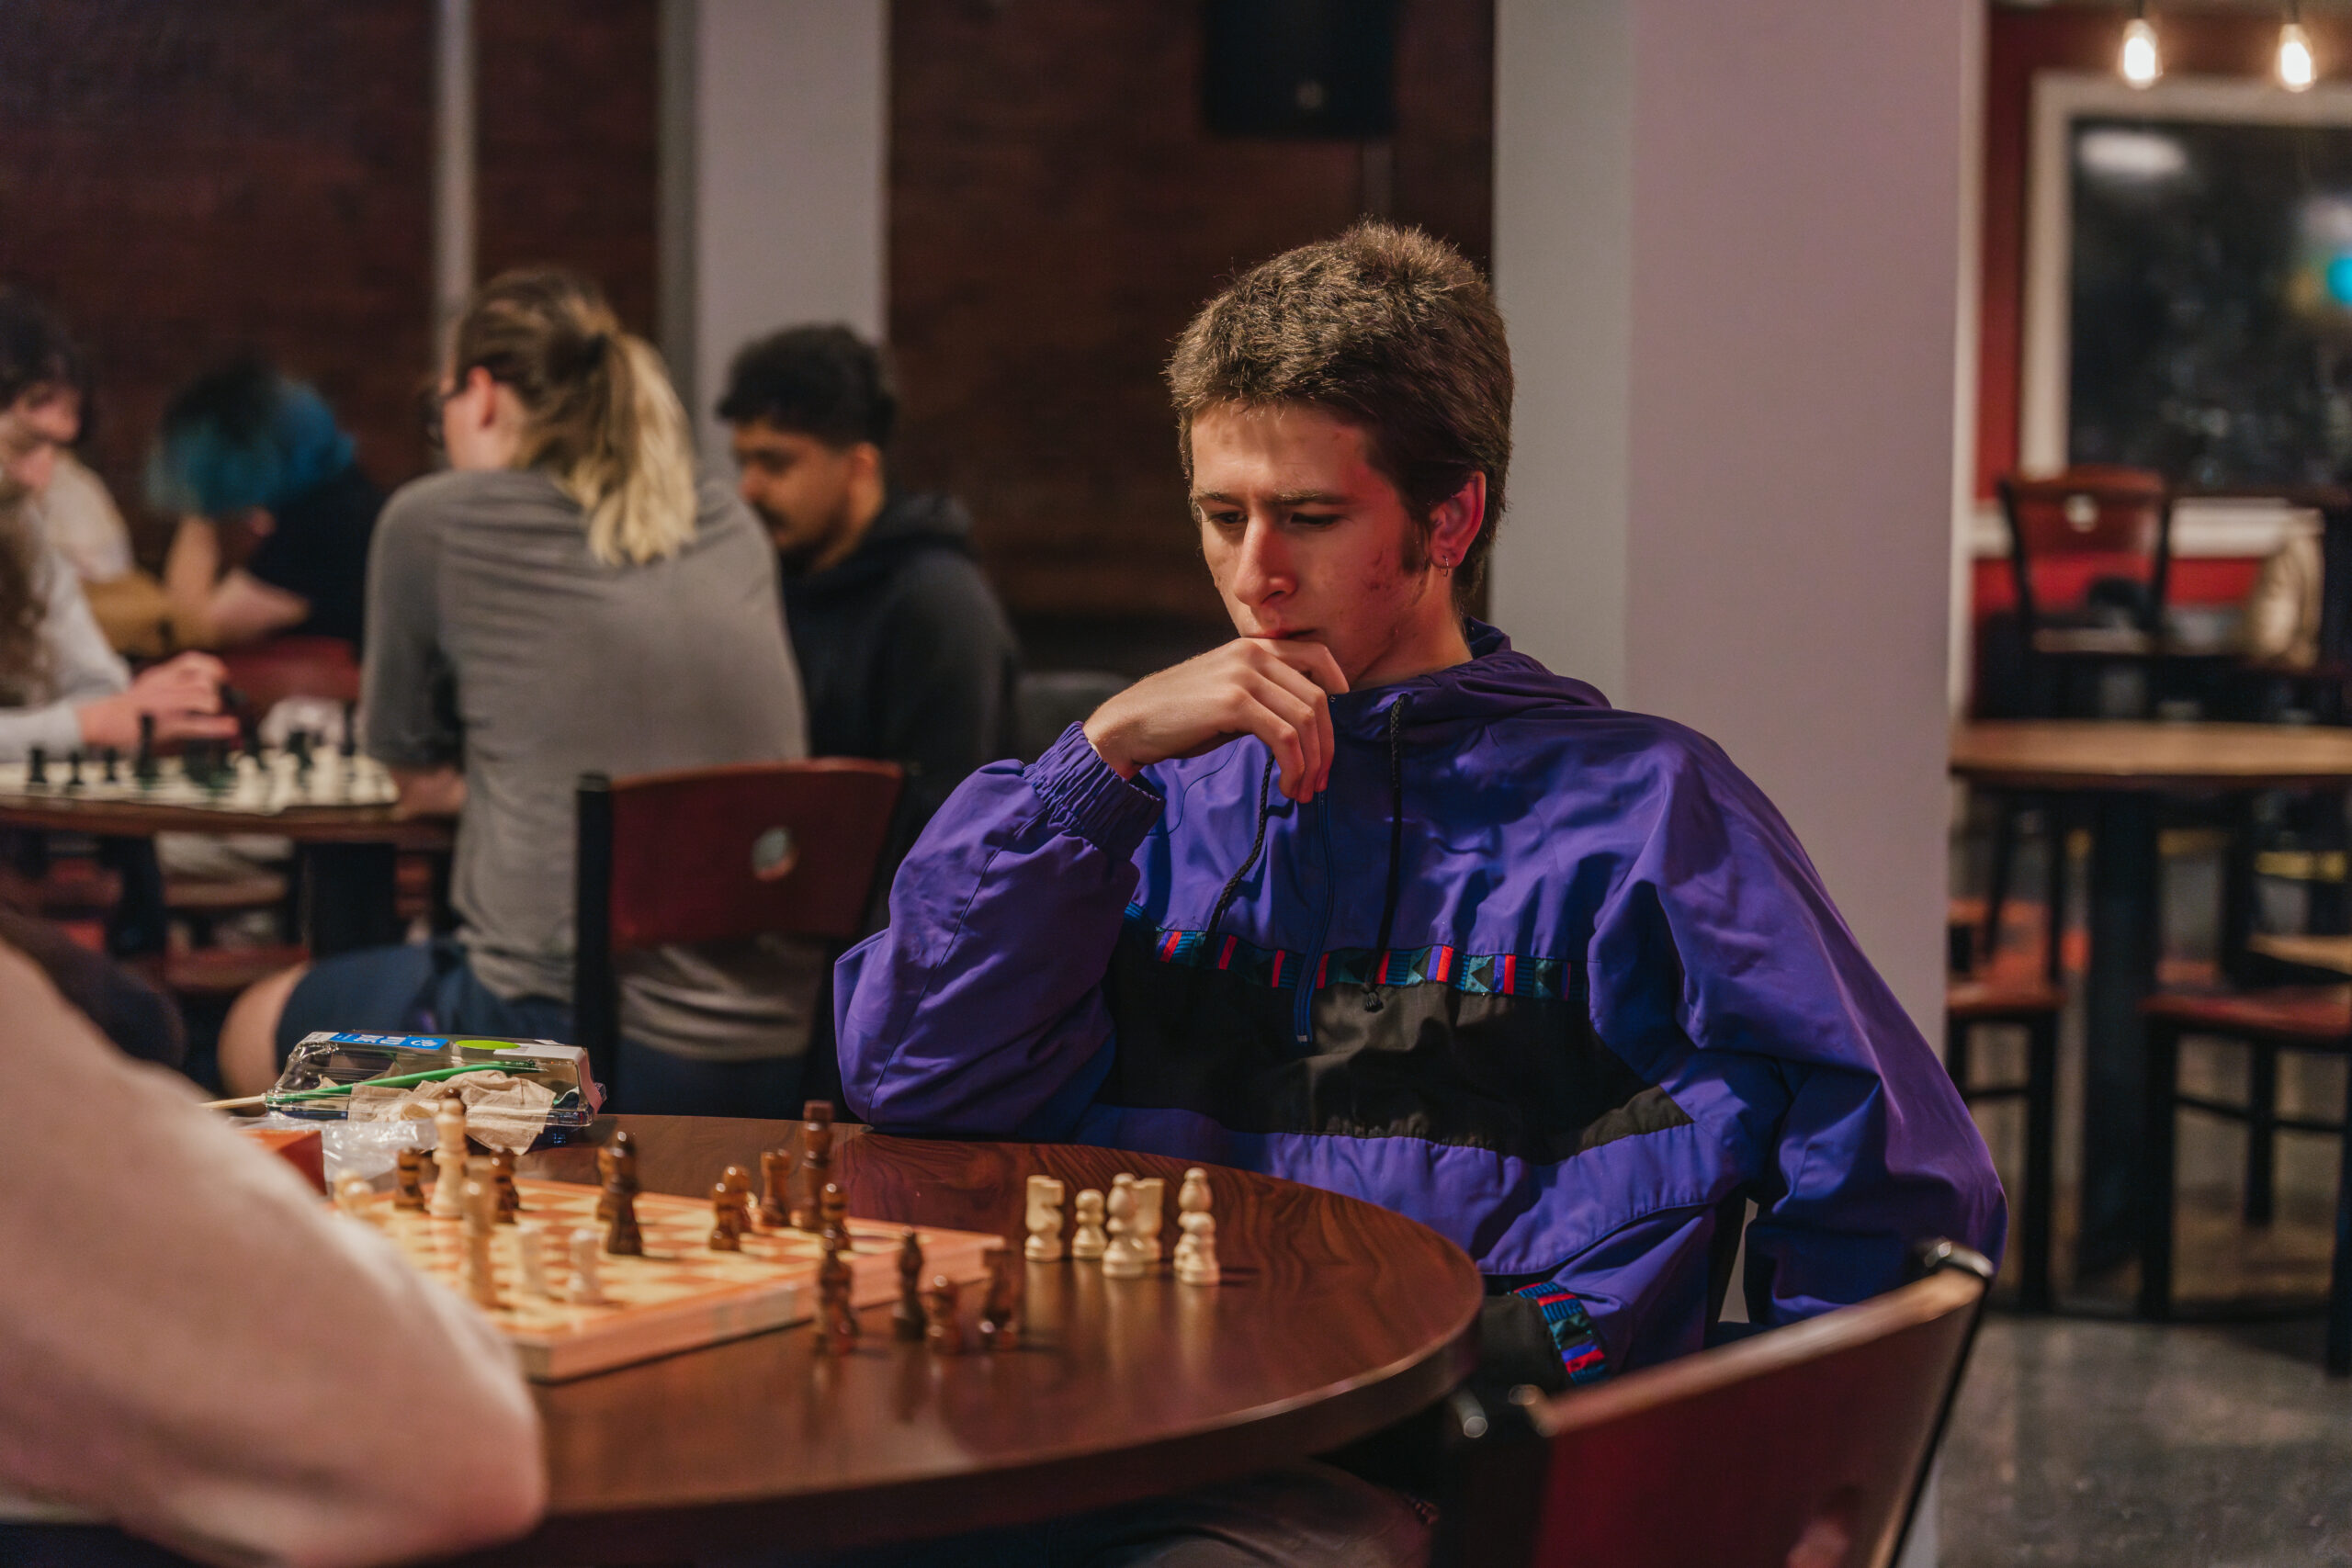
(1261, 564)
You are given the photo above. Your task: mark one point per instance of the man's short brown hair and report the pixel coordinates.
(1385, 328)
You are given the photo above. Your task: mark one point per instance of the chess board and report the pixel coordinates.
(680, 1295)
(261, 786)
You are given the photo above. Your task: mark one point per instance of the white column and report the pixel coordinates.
(455, 156)
(779, 122)
(1728, 242)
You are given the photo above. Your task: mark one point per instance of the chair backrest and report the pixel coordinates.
(266, 673)
(1048, 702)
(2095, 521)
(709, 853)
(1804, 1447)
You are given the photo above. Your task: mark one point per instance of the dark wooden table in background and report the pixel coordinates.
(344, 855)
(1335, 1318)
(2122, 768)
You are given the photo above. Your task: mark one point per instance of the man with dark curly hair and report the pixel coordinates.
(1367, 900)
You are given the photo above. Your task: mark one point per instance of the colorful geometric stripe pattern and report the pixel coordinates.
(1572, 1331)
(1482, 974)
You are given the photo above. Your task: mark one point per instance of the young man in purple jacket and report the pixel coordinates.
(1366, 899)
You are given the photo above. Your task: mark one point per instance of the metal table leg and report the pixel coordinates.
(2125, 929)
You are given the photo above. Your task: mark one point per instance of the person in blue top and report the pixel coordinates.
(1366, 898)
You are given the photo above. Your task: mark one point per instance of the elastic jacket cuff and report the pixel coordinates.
(1083, 793)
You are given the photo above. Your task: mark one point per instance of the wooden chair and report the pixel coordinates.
(2033, 1005)
(1803, 1447)
(706, 855)
(2075, 528)
(2316, 1020)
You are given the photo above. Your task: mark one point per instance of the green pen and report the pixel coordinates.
(404, 1079)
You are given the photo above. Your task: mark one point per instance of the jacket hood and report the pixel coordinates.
(1498, 682)
(908, 523)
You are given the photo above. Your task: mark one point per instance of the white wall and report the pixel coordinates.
(775, 135)
(1741, 224)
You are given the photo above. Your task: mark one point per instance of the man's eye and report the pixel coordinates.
(1222, 519)
(1315, 519)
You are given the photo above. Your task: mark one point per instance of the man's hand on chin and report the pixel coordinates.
(1278, 690)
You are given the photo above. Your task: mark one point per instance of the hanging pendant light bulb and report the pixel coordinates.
(2297, 69)
(2140, 64)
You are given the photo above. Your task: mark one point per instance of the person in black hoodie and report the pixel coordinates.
(904, 651)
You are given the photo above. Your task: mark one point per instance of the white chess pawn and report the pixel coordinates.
(450, 1160)
(351, 1194)
(1193, 1198)
(1089, 1244)
(1044, 1221)
(586, 1289)
(1196, 1249)
(531, 1255)
(1122, 1260)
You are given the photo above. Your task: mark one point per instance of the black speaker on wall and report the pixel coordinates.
(1300, 67)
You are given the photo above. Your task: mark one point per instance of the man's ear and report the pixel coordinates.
(867, 458)
(1456, 521)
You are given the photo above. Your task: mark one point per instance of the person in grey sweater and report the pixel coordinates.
(567, 600)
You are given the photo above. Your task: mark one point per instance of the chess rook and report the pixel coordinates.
(776, 1188)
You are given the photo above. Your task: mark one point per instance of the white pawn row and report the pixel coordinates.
(1122, 1231)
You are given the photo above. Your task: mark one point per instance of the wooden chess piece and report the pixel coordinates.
(608, 1167)
(351, 1194)
(906, 1318)
(409, 1190)
(722, 1219)
(1000, 1313)
(448, 1158)
(776, 1188)
(622, 1236)
(502, 1176)
(1044, 1221)
(737, 1183)
(531, 1259)
(837, 1325)
(476, 1276)
(585, 1289)
(942, 1332)
(1196, 1249)
(1150, 1216)
(1122, 1260)
(1090, 1241)
(832, 1218)
(816, 1161)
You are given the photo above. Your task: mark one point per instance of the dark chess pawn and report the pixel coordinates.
(112, 757)
(832, 1219)
(410, 1192)
(776, 1188)
(942, 1331)
(502, 1176)
(37, 765)
(73, 768)
(1000, 1315)
(722, 1227)
(837, 1325)
(143, 767)
(906, 1318)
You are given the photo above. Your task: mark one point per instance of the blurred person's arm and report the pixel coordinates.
(211, 608)
(428, 791)
(200, 1352)
(83, 669)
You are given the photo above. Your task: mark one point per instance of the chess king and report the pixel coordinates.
(1366, 898)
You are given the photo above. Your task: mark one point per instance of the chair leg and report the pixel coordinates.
(2339, 1284)
(2005, 809)
(2162, 1082)
(2057, 823)
(2034, 1293)
(2261, 1132)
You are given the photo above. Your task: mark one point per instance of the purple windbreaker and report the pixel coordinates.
(1551, 978)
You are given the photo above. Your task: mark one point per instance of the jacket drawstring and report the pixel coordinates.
(1372, 999)
(1257, 846)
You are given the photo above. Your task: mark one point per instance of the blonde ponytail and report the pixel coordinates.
(603, 421)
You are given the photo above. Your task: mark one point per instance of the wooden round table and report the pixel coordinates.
(344, 853)
(1335, 1318)
(2120, 768)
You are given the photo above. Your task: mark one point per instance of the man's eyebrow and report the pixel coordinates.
(1280, 498)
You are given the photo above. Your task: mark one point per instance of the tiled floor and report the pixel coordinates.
(2085, 1444)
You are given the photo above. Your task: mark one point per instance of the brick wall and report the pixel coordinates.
(185, 181)
(1058, 212)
